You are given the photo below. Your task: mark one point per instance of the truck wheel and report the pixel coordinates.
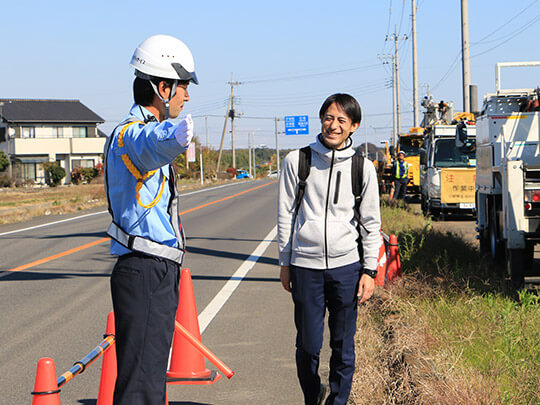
(495, 245)
(423, 205)
(518, 264)
(434, 212)
(483, 238)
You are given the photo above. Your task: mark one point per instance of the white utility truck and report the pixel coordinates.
(508, 176)
(447, 161)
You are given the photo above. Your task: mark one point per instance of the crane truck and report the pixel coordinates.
(447, 160)
(508, 176)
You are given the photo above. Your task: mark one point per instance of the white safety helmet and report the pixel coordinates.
(163, 56)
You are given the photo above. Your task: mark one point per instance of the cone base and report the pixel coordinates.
(189, 374)
(210, 379)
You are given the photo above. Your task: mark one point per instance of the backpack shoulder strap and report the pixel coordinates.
(304, 166)
(357, 176)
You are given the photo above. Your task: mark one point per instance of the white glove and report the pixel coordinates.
(184, 131)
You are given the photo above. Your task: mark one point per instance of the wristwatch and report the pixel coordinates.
(371, 273)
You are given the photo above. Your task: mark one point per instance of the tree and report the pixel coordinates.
(4, 161)
(54, 173)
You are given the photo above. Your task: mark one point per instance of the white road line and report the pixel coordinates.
(101, 212)
(53, 223)
(211, 310)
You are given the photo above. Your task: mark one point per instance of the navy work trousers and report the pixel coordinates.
(313, 291)
(400, 188)
(145, 297)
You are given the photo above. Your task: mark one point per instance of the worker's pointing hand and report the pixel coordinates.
(184, 131)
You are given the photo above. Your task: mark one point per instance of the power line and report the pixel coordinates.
(284, 78)
(523, 28)
(480, 41)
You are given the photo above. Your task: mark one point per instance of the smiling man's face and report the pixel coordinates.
(336, 127)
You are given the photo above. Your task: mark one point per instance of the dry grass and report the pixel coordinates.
(451, 331)
(18, 205)
(21, 204)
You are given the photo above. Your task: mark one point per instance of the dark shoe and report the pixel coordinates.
(322, 394)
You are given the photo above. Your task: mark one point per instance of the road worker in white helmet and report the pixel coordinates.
(146, 233)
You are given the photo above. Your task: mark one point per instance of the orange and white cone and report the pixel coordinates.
(381, 264)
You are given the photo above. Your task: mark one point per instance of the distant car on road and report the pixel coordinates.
(242, 174)
(273, 174)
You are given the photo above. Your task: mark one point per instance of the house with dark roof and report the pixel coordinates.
(36, 131)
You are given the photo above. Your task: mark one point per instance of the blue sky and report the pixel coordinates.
(290, 55)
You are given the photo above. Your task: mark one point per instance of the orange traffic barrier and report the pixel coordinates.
(393, 269)
(381, 264)
(108, 367)
(46, 391)
(187, 363)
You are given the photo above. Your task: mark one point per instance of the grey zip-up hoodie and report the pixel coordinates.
(325, 231)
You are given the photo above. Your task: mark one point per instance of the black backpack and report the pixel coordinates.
(357, 174)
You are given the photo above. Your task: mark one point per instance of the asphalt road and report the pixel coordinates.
(58, 307)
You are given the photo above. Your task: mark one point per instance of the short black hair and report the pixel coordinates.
(143, 93)
(347, 103)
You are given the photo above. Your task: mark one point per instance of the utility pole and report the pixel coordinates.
(230, 113)
(415, 65)
(201, 160)
(277, 146)
(254, 164)
(249, 153)
(206, 121)
(465, 56)
(385, 58)
(394, 37)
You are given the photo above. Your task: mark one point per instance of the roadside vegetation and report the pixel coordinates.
(19, 204)
(451, 331)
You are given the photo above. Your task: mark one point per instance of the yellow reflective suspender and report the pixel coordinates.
(133, 170)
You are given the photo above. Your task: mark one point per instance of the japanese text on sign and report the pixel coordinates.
(297, 125)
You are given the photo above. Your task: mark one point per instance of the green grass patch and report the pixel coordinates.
(455, 309)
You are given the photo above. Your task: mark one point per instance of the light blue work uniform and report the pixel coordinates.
(151, 146)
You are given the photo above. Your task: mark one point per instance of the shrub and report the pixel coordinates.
(4, 161)
(88, 173)
(76, 175)
(231, 171)
(54, 173)
(100, 169)
(5, 180)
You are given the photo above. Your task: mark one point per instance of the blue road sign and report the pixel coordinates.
(297, 125)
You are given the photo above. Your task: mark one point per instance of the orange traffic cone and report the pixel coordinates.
(393, 269)
(46, 391)
(108, 368)
(187, 363)
(381, 265)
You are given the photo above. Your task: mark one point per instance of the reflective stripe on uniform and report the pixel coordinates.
(143, 245)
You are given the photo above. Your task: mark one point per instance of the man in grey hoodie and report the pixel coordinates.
(318, 249)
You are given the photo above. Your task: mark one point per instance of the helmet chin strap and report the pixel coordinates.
(166, 102)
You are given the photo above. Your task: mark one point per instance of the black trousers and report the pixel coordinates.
(145, 297)
(400, 188)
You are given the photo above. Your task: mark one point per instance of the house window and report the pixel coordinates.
(28, 132)
(58, 132)
(29, 171)
(79, 132)
(82, 163)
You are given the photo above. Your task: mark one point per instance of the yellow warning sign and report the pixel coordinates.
(457, 185)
